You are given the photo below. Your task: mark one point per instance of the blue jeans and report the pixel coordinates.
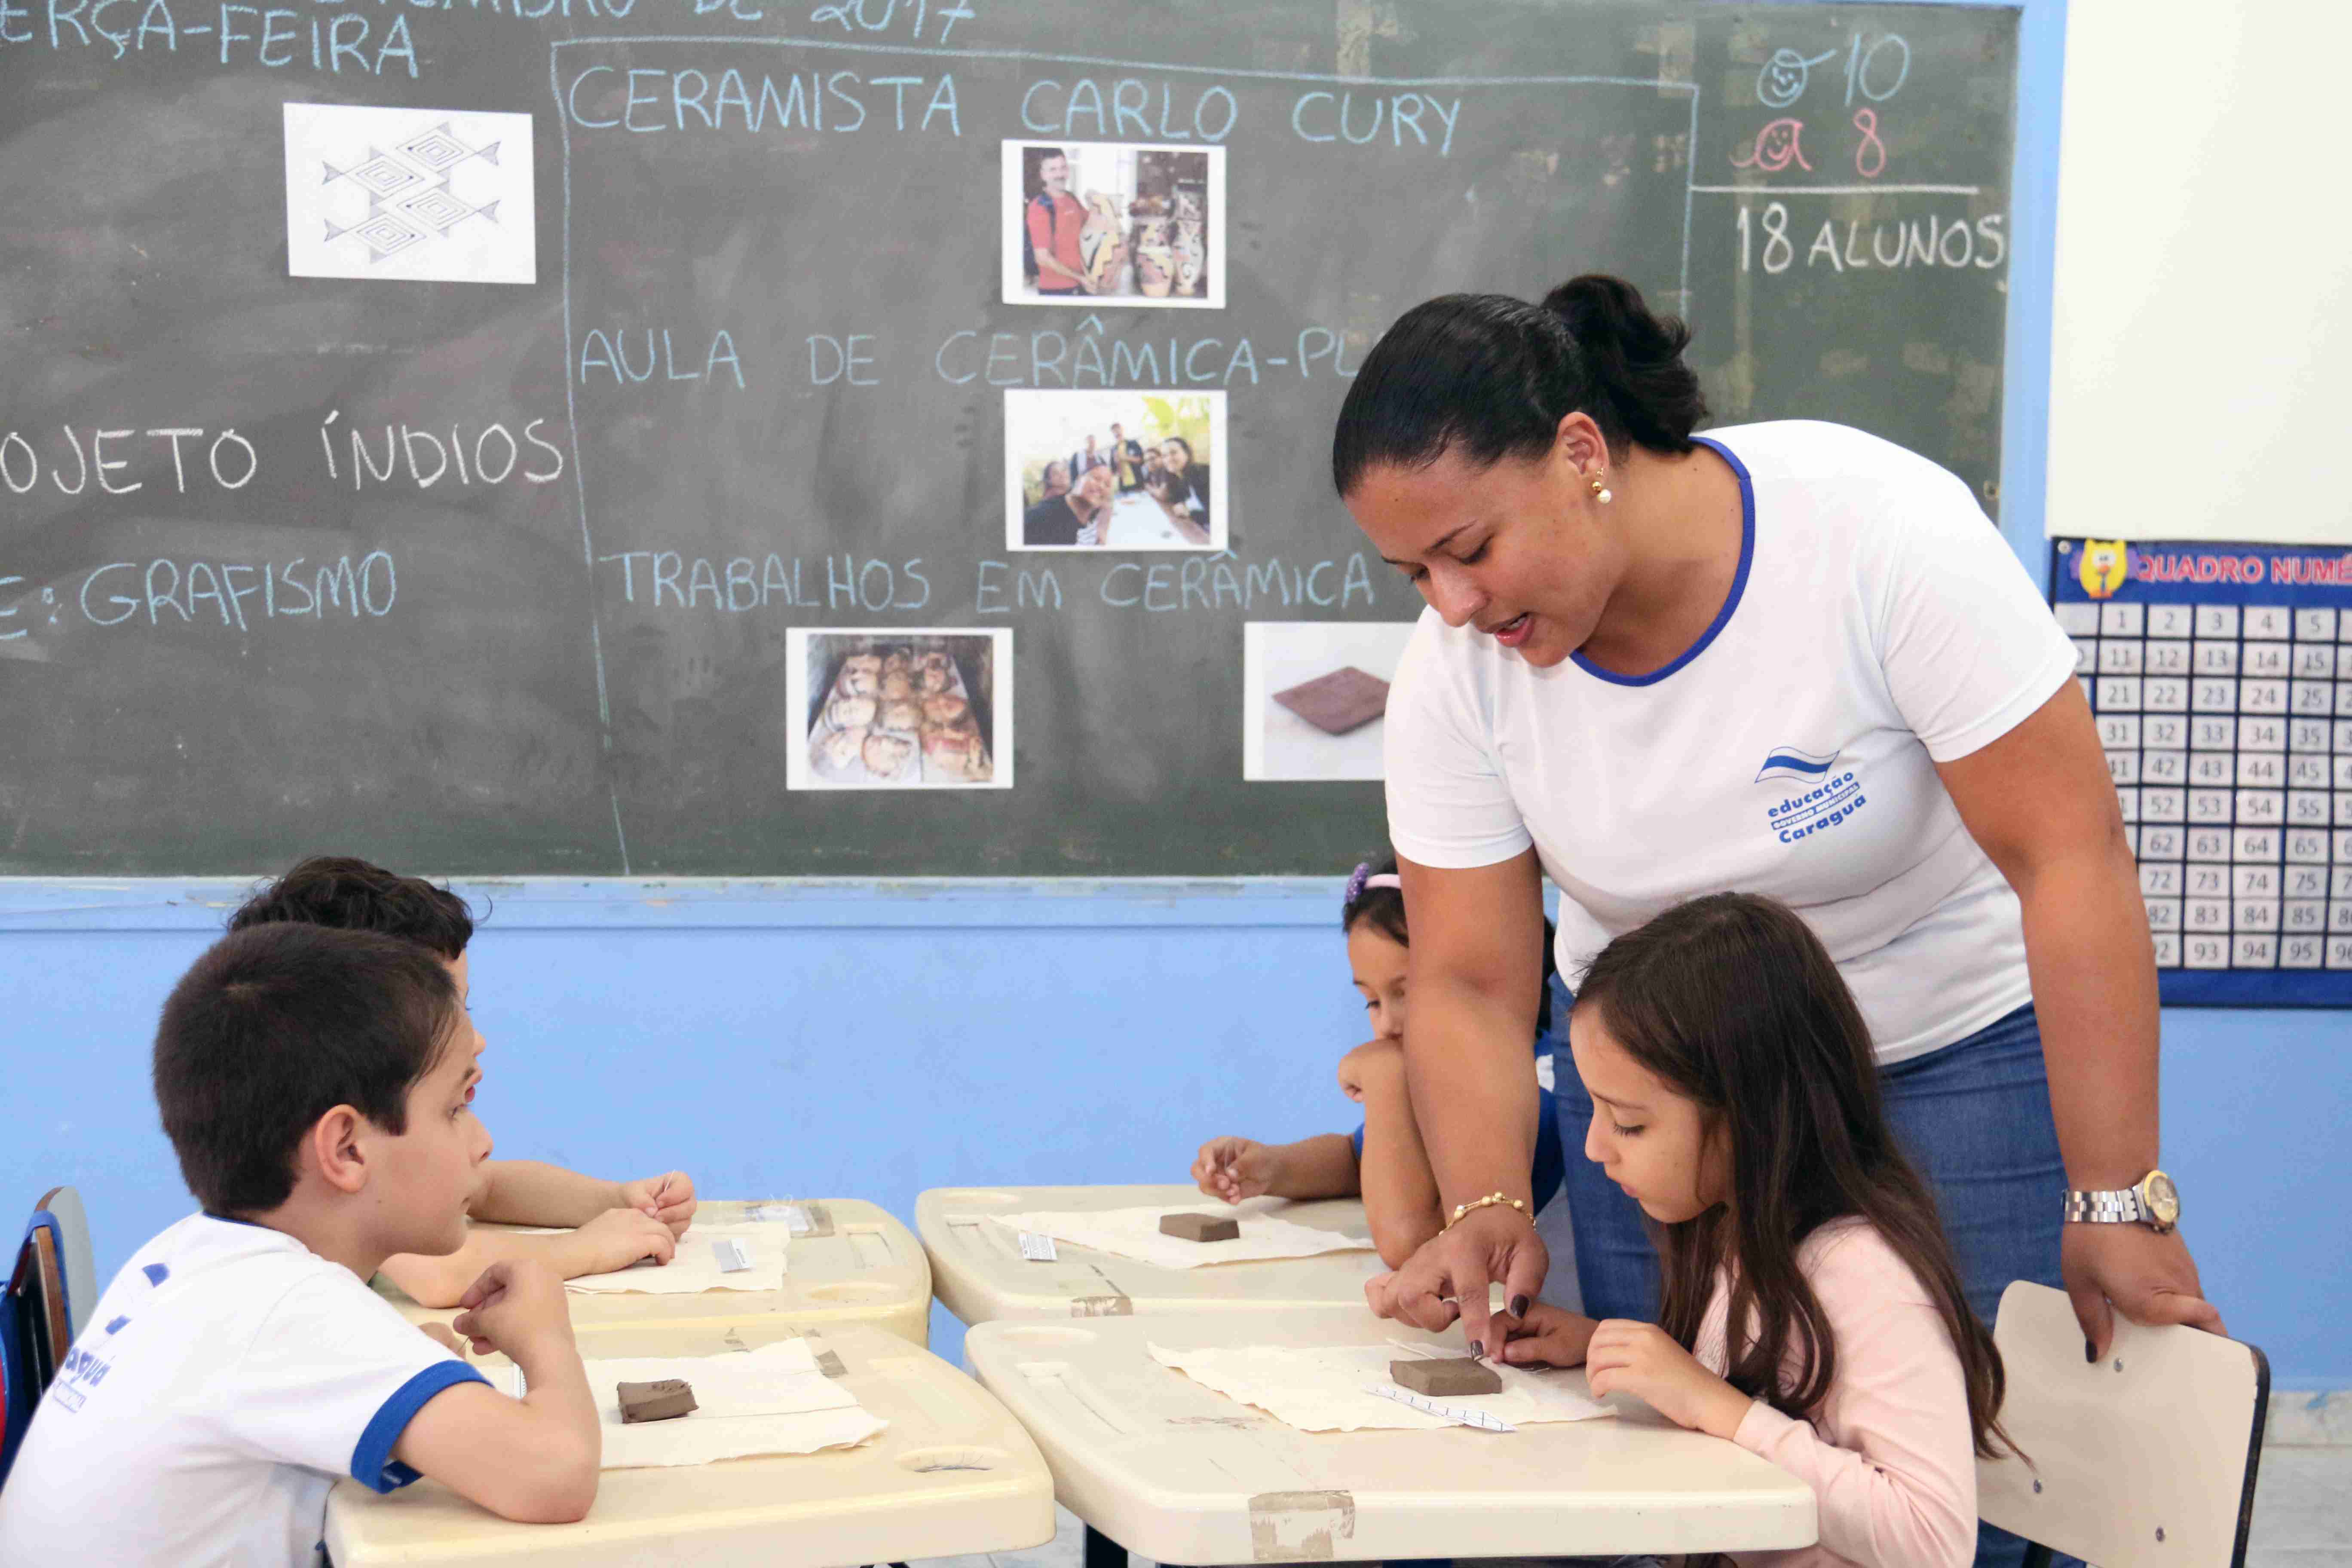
(1974, 1117)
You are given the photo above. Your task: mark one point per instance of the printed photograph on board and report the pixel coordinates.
(1313, 697)
(1114, 470)
(1129, 223)
(924, 709)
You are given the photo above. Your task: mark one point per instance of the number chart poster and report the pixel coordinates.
(2221, 679)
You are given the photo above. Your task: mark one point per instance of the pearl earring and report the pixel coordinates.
(1600, 492)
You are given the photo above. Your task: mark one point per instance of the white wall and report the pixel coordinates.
(2202, 368)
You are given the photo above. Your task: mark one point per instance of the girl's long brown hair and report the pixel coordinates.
(1732, 1001)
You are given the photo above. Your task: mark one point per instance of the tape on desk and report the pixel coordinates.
(1300, 1526)
(820, 1218)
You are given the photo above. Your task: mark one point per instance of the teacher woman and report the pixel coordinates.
(1785, 658)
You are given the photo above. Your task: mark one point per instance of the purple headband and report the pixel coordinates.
(1361, 881)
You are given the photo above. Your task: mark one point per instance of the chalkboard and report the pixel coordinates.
(497, 578)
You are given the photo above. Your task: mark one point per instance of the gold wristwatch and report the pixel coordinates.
(2153, 1200)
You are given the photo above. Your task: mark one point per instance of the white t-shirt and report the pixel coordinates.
(228, 1377)
(1878, 625)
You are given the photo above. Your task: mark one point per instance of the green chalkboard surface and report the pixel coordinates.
(462, 432)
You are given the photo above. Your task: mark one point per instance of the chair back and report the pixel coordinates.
(36, 1331)
(2146, 1456)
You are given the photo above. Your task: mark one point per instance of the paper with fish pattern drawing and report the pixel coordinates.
(1324, 1388)
(1135, 1232)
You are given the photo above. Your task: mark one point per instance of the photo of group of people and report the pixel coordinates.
(1114, 470)
(900, 709)
(1132, 223)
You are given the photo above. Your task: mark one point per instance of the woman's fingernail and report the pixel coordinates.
(1519, 1306)
(2089, 1352)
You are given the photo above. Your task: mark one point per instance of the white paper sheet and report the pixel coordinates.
(1135, 1232)
(772, 1400)
(1322, 1389)
(403, 193)
(696, 1268)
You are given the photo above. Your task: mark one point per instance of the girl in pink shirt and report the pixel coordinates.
(1736, 1099)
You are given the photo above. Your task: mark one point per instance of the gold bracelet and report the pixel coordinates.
(1489, 1200)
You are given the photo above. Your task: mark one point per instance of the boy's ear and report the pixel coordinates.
(333, 1147)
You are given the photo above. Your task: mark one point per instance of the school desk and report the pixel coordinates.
(856, 1264)
(953, 1473)
(1162, 1465)
(979, 1274)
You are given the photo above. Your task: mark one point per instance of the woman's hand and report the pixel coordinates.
(1548, 1336)
(1232, 1169)
(1643, 1360)
(1447, 1278)
(2148, 1278)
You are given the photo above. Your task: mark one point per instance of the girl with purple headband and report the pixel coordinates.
(1384, 1161)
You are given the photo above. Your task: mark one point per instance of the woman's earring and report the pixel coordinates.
(1600, 492)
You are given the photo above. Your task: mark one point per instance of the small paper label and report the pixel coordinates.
(1038, 1248)
(1458, 1413)
(792, 1216)
(733, 1259)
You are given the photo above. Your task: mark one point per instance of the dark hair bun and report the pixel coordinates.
(1635, 357)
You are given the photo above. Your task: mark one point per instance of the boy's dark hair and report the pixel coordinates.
(276, 1026)
(1494, 376)
(355, 895)
(1384, 909)
(1732, 1000)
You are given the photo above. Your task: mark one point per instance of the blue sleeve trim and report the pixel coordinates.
(1551, 1156)
(1356, 1140)
(372, 1465)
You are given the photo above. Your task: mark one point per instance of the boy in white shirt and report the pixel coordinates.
(606, 1225)
(317, 1086)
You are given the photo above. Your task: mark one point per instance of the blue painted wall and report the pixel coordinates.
(817, 1040)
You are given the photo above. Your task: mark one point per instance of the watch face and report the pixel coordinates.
(2163, 1197)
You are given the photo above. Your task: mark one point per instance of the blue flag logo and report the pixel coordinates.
(1788, 762)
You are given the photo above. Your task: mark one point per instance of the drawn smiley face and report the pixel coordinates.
(1782, 80)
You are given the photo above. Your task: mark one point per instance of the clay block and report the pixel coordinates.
(1449, 1378)
(663, 1401)
(1345, 699)
(1199, 1227)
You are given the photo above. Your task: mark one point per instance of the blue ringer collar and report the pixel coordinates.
(1730, 600)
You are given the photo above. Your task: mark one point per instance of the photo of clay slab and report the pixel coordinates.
(1127, 223)
(1114, 470)
(1313, 696)
(925, 709)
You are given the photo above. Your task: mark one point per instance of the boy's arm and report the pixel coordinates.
(1400, 1199)
(535, 1458)
(1233, 1169)
(614, 1239)
(531, 1192)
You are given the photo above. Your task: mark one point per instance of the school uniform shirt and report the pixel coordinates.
(229, 1377)
(1877, 626)
(1888, 1453)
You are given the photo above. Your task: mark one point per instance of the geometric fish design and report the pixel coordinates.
(409, 198)
(409, 194)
